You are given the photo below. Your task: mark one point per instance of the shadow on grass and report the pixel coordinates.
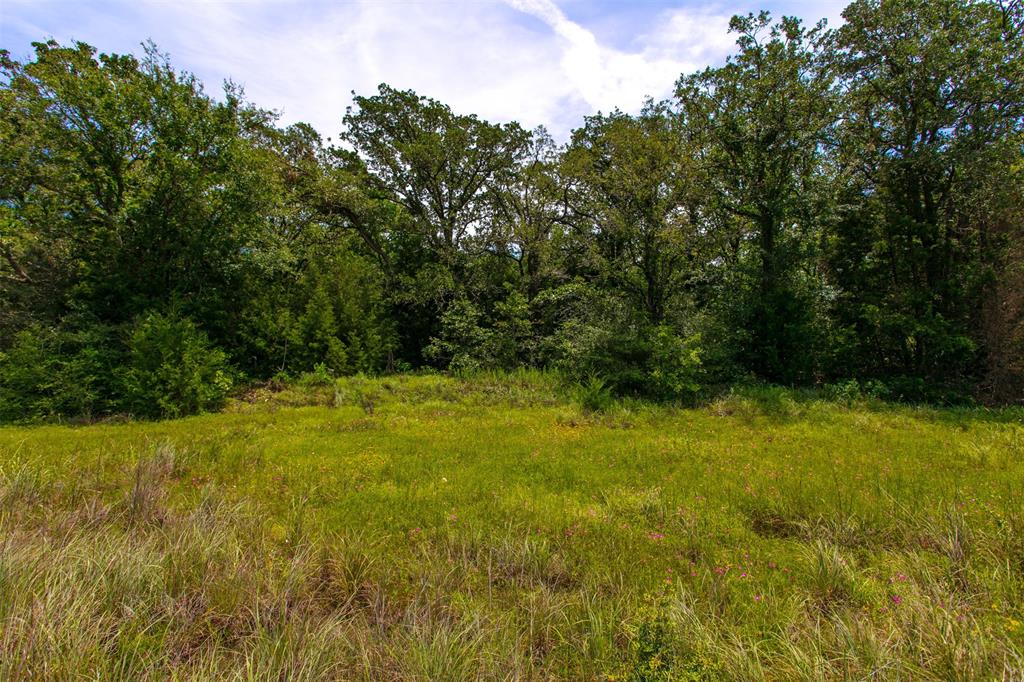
(781, 404)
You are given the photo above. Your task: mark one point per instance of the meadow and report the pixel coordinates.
(438, 528)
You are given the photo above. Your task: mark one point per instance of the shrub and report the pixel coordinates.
(317, 341)
(173, 370)
(48, 373)
(594, 395)
(673, 365)
(650, 638)
(606, 339)
(320, 376)
(462, 342)
(852, 391)
(27, 376)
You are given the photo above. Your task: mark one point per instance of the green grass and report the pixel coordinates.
(438, 528)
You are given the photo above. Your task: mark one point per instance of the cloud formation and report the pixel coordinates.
(606, 77)
(524, 60)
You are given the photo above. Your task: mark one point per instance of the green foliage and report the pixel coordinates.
(604, 337)
(513, 343)
(320, 376)
(937, 91)
(851, 391)
(651, 641)
(674, 366)
(462, 343)
(633, 190)
(144, 190)
(172, 369)
(56, 373)
(827, 206)
(333, 313)
(436, 163)
(759, 125)
(594, 395)
(316, 334)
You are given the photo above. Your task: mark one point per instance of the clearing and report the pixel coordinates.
(438, 528)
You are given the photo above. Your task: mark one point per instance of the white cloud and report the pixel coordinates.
(518, 59)
(606, 77)
(470, 56)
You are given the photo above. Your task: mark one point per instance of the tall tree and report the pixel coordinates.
(634, 202)
(437, 164)
(756, 126)
(933, 102)
(531, 207)
(142, 189)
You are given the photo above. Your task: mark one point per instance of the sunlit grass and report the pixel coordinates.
(436, 528)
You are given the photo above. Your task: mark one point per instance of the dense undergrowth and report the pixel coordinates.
(430, 527)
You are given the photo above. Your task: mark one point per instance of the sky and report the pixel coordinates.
(539, 62)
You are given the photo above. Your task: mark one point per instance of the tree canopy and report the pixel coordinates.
(828, 205)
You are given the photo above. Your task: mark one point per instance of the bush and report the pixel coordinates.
(320, 376)
(173, 370)
(462, 343)
(316, 338)
(673, 365)
(852, 391)
(607, 339)
(27, 377)
(594, 395)
(651, 645)
(48, 373)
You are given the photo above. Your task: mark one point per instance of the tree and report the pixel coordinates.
(531, 207)
(633, 202)
(129, 188)
(933, 102)
(757, 127)
(433, 162)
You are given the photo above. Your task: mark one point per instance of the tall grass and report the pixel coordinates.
(462, 528)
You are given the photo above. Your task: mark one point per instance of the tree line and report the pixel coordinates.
(829, 206)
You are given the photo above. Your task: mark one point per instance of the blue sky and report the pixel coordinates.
(541, 62)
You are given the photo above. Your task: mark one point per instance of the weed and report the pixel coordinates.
(595, 396)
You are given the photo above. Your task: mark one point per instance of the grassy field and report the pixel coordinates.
(436, 528)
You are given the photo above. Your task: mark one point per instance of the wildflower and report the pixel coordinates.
(897, 599)
(654, 535)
